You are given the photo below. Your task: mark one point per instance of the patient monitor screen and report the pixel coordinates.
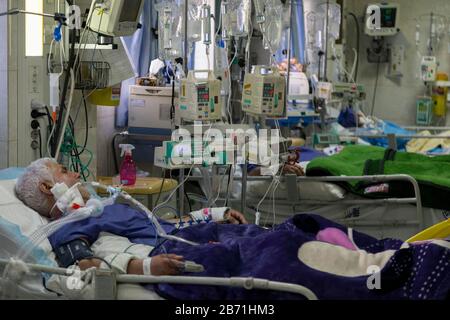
(388, 17)
(130, 11)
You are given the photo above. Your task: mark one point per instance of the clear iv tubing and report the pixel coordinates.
(160, 231)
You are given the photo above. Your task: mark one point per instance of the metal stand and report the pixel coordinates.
(181, 194)
(244, 186)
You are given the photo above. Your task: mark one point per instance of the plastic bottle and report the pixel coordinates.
(128, 167)
(440, 97)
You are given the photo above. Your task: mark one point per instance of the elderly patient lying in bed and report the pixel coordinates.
(333, 261)
(120, 226)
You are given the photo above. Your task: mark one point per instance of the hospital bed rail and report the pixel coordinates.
(109, 280)
(294, 198)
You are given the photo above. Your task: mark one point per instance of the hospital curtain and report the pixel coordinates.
(298, 35)
(298, 32)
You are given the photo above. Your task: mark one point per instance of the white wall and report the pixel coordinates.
(395, 99)
(3, 87)
(19, 152)
(106, 130)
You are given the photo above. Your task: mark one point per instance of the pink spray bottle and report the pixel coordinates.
(128, 167)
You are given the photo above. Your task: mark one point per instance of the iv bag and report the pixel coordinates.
(239, 15)
(194, 20)
(334, 19)
(259, 10)
(274, 13)
(316, 27)
(430, 30)
(271, 16)
(170, 27)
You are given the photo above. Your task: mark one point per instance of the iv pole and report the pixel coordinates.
(57, 16)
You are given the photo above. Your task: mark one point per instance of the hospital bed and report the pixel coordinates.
(104, 284)
(18, 222)
(416, 139)
(393, 217)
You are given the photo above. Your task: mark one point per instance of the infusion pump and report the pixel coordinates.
(200, 97)
(264, 92)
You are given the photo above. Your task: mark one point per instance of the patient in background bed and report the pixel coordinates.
(290, 167)
(123, 227)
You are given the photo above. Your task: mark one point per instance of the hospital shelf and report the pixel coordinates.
(146, 191)
(144, 186)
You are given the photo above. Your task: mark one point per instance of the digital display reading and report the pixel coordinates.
(203, 94)
(388, 16)
(268, 90)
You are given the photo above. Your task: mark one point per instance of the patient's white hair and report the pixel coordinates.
(27, 186)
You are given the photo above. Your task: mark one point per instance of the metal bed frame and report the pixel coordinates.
(293, 197)
(105, 281)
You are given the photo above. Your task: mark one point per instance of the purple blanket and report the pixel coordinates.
(419, 271)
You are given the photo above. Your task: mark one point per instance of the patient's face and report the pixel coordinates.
(62, 175)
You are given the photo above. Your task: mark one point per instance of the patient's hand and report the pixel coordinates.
(167, 265)
(293, 169)
(235, 217)
(89, 263)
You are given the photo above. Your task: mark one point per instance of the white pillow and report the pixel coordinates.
(14, 211)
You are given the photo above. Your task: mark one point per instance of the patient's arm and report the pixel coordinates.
(127, 257)
(161, 265)
(287, 169)
(222, 214)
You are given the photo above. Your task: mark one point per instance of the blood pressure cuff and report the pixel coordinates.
(72, 252)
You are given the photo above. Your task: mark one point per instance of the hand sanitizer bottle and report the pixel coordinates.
(128, 167)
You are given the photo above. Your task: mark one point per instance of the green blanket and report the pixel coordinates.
(432, 173)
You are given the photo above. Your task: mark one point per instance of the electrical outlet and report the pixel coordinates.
(34, 83)
(34, 145)
(34, 134)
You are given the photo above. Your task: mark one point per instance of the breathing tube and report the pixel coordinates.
(159, 230)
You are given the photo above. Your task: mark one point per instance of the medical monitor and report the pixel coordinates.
(115, 18)
(382, 19)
